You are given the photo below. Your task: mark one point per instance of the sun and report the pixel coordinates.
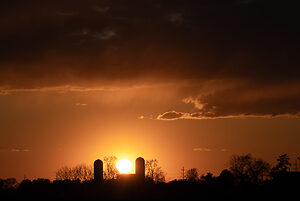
(124, 165)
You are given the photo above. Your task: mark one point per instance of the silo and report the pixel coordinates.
(98, 171)
(140, 168)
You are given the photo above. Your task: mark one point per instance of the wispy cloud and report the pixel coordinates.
(176, 18)
(194, 101)
(99, 9)
(173, 115)
(205, 149)
(202, 149)
(14, 150)
(65, 88)
(64, 13)
(80, 104)
(105, 35)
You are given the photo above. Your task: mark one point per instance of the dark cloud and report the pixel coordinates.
(240, 99)
(252, 44)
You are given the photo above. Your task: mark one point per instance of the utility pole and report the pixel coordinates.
(182, 173)
(298, 158)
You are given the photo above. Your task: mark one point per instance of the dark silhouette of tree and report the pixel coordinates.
(8, 183)
(283, 164)
(80, 172)
(245, 168)
(64, 173)
(258, 170)
(110, 170)
(226, 177)
(279, 172)
(154, 172)
(83, 172)
(208, 178)
(41, 181)
(224, 187)
(239, 166)
(192, 175)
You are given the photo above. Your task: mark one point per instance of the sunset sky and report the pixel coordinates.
(186, 82)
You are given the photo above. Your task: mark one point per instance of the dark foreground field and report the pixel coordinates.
(44, 189)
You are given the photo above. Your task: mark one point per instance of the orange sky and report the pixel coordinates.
(186, 82)
(51, 129)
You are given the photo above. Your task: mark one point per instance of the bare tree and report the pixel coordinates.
(80, 172)
(154, 172)
(239, 166)
(259, 170)
(83, 172)
(110, 171)
(283, 164)
(64, 173)
(192, 174)
(245, 168)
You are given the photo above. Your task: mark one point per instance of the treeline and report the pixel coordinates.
(83, 172)
(245, 169)
(247, 177)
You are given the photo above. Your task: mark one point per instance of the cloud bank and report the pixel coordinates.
(237, 58)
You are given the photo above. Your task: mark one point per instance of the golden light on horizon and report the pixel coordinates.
(124, 166)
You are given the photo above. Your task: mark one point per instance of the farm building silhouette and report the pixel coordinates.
(139, 175)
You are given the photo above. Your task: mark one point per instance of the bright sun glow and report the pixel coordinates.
(124, 165)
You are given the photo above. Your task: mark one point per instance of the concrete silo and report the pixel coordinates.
(140, 169)
(98, 171)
